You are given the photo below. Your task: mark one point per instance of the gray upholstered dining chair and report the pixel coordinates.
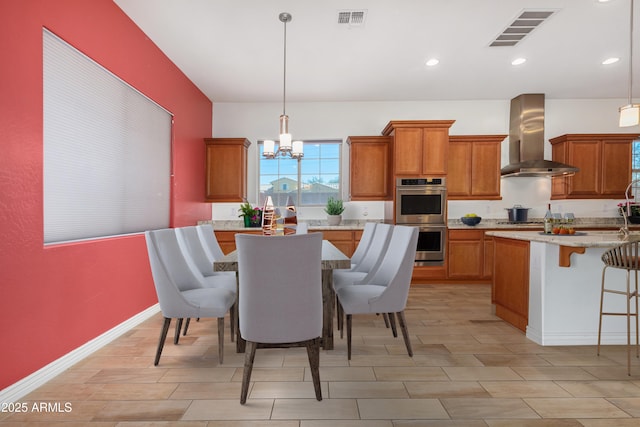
(197, 259)
(302, 228)
(369, 262)
(388, 289)
(179, 292)
(366, 266)
(280, 297)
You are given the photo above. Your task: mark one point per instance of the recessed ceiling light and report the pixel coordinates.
(518, 61)
(432, 62)
(609, 61)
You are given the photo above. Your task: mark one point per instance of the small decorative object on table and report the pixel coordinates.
(252, 216)
(471, 219)
(334, 210)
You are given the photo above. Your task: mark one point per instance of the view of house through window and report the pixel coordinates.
(310, 181)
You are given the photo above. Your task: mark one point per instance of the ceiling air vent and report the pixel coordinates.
(352, 18)
(521, 27)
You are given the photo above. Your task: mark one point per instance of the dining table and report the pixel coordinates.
(332, 259)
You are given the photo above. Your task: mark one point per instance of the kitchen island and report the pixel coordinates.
(549, 286)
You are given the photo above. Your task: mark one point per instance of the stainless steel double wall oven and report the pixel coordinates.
(422, 202)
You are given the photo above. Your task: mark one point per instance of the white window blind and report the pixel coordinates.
(107, 151)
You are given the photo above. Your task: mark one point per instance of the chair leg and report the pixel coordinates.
(348, 337)
(392, 322)
(186, 327)
(628, 326)
(249, 356)
(313, 352)
(405, 332)
(163, 336)
(601, 306)
(635, 294)
(340, 316)
(220, 339)
(232, 321)
(385, 316)
(176, 338)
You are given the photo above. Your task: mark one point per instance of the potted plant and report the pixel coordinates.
(252, 216)
(334, 210)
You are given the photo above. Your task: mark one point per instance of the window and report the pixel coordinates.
(107, 150)
(308, 182)
(635, 160)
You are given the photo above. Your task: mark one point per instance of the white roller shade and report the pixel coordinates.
(107, 151)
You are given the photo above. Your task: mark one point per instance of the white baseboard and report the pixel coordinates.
(26, 385)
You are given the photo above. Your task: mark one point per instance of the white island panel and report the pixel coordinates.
(564, 301)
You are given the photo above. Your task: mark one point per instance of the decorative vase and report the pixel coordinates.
(334, 219)
(255, 221)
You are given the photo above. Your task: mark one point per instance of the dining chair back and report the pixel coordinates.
(179, 292)
(387, 290)
(302, 228)
(194, 250)
(280, 296)
(210, 243)
(363, 244)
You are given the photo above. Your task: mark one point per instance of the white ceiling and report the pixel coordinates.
(233, 49)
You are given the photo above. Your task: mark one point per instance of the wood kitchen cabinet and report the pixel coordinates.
(466, 254)
(510, 291)
(469, 256)
(226, 169)
(420, 147)
(370, 168)
(604, 161)
(474, 167)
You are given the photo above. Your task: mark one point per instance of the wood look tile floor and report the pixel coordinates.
(469, 369)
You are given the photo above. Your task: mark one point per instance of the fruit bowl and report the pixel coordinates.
(470, 220)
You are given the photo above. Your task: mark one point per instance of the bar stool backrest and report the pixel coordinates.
(625, 256)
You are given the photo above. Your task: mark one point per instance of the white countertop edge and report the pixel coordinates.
(591, 239)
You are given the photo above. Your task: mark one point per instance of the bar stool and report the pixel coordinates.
(623, 257)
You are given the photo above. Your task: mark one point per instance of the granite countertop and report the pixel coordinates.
(584, 239)
(537, 223)
(313, 225)
(452, 224)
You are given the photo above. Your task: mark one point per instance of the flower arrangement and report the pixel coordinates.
(252, 216)
(633, 207)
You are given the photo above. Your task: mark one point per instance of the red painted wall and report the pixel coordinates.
(55, 299)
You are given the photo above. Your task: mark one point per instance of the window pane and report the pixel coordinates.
(318, 176)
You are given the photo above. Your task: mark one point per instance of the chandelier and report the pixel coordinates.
(630, 113)
(285, 146)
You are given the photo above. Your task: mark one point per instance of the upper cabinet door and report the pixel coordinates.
(604, 161)
(420, 147)
(474, 167)
(226, 169)
(370, 168)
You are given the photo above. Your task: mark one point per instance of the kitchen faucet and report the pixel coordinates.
(624, 231)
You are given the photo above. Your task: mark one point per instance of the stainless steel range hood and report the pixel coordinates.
(526, 140)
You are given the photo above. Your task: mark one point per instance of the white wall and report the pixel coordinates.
(339, 120)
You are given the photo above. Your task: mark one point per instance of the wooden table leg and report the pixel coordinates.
(328, 303)
(240, 342)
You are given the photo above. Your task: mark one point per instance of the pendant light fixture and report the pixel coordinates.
(285, 147)
(630, 113)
